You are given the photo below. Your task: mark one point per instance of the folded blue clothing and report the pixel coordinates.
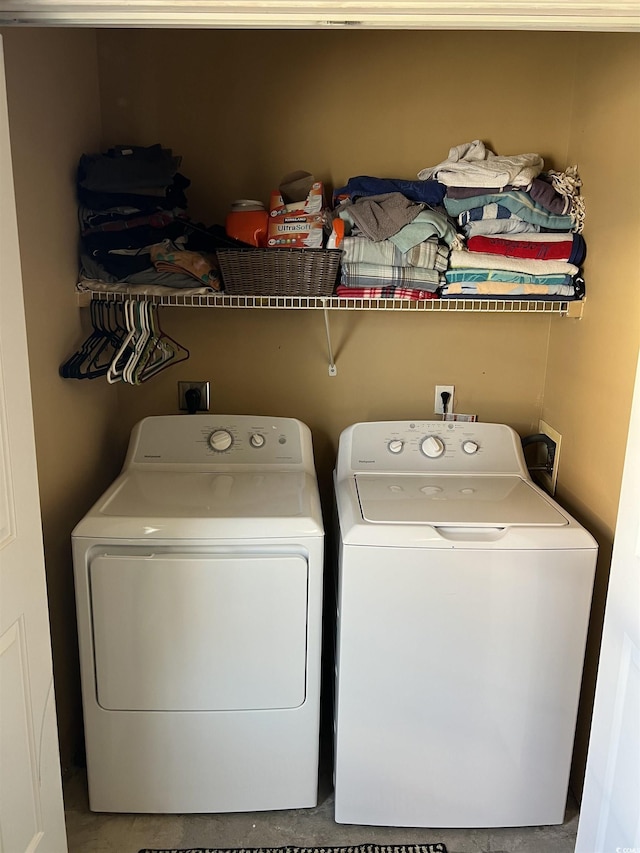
(487, 212)
(578, 250)
(512, 297)
(495, 227)
(425, 192)
(513, 290)
(465, 274)
(519, 203)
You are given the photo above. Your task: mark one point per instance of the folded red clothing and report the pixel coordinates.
(552, 251)
(387, 292)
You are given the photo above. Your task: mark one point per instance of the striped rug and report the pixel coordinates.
(438, 847)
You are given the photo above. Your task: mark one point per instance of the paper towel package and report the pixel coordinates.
(295, 220)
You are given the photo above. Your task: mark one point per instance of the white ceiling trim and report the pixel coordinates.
(561, 15)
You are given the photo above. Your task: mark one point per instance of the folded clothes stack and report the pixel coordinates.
(522, 225)
(134, 229)
(397, 242)
(476, 225)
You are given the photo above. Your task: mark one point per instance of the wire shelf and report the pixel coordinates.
(219, 300)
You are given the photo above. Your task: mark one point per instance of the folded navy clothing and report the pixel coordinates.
(172, 196)
(128, 168)
(152, 231)
(117, 264)
(426, 192)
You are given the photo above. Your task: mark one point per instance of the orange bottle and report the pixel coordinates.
(247, 221)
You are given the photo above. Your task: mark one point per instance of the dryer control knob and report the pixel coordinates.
(395, 445)
(432, 446)
(469, 447)
(220, 440)
(256, 439)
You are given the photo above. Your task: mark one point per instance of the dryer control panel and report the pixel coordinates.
(220, 442)
(446, 447)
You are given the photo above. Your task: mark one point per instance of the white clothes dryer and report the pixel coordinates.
(199, 598)
(462, 607)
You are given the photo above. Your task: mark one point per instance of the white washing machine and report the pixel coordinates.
(199, 597)
(463, 602)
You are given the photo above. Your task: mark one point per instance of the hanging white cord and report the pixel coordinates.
(333, 371)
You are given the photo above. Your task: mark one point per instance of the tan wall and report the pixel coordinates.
(374, 103)
(592, 362)
(272, 362)
(54, 115)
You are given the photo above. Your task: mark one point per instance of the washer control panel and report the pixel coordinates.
(220, 440)
(431, 446)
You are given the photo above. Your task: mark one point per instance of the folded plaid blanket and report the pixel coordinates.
(374, 275)
(428, 255)
(387, 292)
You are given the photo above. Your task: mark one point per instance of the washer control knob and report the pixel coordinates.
(395, 445)
(220, 440)
(256, 439)
(432, 446)
(430, 490)
(470, 447)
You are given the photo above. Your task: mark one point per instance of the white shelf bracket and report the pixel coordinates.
(575, 309)
(333, 371)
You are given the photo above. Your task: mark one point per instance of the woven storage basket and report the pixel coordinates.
(279, 272)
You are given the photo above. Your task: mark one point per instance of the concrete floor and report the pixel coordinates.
(109, 833)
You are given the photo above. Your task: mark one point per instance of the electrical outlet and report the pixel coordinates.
(202, 387)
(548, 481)
(437, 405)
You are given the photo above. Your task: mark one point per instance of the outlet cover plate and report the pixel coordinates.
(203, 387)
(549, 482)
(437, 403)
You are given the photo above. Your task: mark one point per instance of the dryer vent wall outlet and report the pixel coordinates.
(201, 387)
(549, 480)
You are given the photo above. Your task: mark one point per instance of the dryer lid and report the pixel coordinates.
(205, 505)
(165, 494)
(454, 501)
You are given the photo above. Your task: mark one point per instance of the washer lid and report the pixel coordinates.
(454, 501)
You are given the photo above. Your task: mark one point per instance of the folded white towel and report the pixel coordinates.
(472, 164)
(463, 259)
